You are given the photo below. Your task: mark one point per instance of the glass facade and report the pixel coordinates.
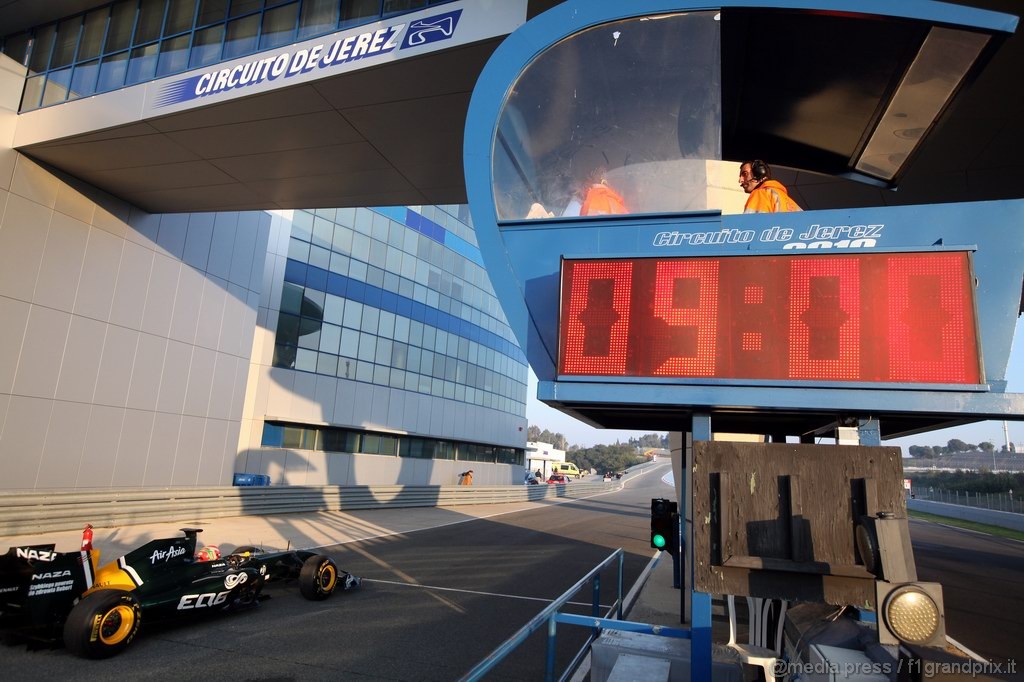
(333, 439)
(397, 297)
(132, 41)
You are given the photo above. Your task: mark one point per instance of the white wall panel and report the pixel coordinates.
(213, 455)
(112, 216)
(303, 404)
(65, 442)
(379, 412)
(344, 402)
(116, 366)
(97, 467)
(99, 275)
(71, 202)
(163, 284)
(146, 227)
(222, 245)
(197, 241)
(80, 366)
(211, 313)
(174, 379)
(34, 183)
(172, 233)
(190, 449)
(147, 371)
(200, 382)
(246, 236)
(21, 445)
(22, 240)
(132, 285)
(187, 299)
(14, 314)
(61, 264)
(162, 449)
(133, 448)
(222, 387)
(39, 367)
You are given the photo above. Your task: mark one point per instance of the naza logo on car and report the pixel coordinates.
(202, 601)
(37, 554)
(50, 576)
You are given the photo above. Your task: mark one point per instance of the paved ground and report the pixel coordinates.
(657, 602)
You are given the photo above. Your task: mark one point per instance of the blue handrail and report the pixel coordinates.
(551, 616)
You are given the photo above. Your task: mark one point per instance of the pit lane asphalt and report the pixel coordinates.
(443, 587)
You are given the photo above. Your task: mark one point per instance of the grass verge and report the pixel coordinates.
(969, 525)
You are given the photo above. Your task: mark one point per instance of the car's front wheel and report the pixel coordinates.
(318, 578)
(102, 624)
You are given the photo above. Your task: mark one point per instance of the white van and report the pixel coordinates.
(567, 469)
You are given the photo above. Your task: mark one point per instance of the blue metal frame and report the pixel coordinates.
(523, 257)
(551, 616)
(524, 261)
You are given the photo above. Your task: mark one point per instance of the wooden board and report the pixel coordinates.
(777, 520)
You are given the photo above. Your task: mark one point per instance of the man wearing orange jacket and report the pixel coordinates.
(766, 195)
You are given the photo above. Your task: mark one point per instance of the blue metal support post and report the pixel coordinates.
(700, 602)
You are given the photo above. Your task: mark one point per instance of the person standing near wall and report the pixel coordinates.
(466, 478)
(766, 195)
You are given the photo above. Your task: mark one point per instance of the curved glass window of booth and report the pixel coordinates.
(626, 114)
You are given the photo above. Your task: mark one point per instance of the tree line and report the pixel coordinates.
(602, 458)
(968, 481)
(954, 447)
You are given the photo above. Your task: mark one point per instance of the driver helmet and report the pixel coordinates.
(208, 553)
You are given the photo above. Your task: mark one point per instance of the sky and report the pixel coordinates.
(578, 433)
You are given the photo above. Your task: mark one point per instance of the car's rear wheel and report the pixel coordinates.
(102, 624)
(318, 578)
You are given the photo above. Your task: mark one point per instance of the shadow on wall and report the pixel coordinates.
(285, 466)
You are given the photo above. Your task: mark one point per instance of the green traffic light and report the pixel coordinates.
(658, 540)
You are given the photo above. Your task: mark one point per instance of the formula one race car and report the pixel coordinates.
(99, 610)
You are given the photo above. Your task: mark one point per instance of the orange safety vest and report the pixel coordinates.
(603, 200)
(770, 197)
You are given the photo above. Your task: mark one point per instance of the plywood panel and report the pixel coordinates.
(777, 520)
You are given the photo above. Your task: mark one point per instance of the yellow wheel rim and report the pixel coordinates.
(328, 577)
(116, 624)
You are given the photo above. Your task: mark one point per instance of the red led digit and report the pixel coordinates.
(686, 295)
(929, 335)
(824, 318)
(598, 317)
(864, 317)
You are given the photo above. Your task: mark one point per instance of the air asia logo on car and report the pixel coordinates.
(166, 554)
(36, 554)
(424, 31)
(323, 56)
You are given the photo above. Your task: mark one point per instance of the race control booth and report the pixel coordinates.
(602, 148)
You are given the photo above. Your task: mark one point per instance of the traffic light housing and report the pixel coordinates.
(664, 531)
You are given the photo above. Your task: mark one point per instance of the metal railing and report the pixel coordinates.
(552, 616)
(1006, 501)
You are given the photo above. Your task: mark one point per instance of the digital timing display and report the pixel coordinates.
(865, 317)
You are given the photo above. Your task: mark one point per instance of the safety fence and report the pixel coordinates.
(991, 517)
(34, 512)
(1004, 501)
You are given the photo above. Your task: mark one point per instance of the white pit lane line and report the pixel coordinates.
(476, 592)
